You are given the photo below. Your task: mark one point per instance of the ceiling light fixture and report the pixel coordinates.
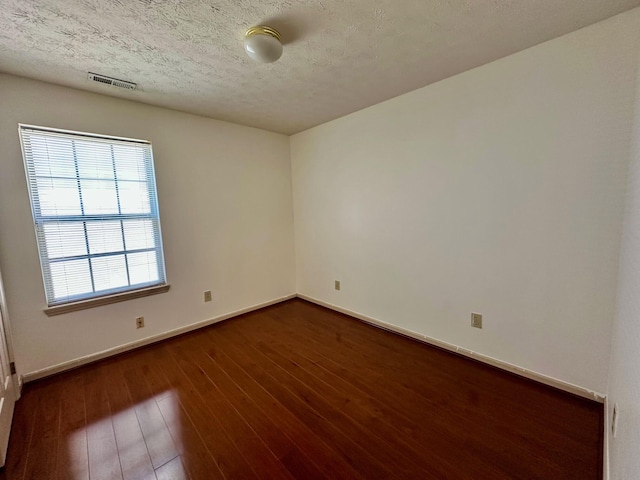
(263, 44)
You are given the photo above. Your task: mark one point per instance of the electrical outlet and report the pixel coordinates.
(614, 420)
(476, 320)
(139, 322)
(337, 284)
(207, 296)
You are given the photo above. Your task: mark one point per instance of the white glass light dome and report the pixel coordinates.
(262, 44)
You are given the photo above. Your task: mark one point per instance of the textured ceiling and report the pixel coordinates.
(340, 55)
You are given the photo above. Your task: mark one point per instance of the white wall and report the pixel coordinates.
(225, 208)
(624, 375)
(497, 191)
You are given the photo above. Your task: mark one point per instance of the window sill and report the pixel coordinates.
(106, 300)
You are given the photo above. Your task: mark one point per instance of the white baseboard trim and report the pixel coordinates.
(553, 382)
(94, 357)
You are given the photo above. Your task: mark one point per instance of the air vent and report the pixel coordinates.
(114, 82)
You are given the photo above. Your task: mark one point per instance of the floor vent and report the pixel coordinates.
(114, 82)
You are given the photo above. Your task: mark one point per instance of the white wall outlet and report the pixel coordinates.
(476, 320)
(207, 296)
(336, 284)
(139, 322)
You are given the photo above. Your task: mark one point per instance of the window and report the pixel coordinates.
(95, 211)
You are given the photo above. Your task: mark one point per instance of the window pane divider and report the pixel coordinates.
(110, 217)
(101, 254)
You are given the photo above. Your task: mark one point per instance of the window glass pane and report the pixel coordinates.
(138, 234)
(109, 272)
(99, 197)
(104, 237)
(58, 197)
(94, 159)
(65, 239)
(70, 278)
(143, 267)
(134, 197)
(52, 158)
(130, 164)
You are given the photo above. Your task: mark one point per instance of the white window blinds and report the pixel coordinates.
(95, 210)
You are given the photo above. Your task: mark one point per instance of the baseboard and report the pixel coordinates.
(553, 382)
(94, 357)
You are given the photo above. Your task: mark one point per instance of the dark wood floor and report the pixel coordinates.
(296, 391)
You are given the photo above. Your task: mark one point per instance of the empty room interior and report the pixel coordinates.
(320, 239)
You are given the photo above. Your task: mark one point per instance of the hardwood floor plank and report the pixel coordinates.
(22, 434)
(135, 460)
(195, 456)
(172, 470)
(156, 435)
(73, 454)
(44, 445)
(104, 463)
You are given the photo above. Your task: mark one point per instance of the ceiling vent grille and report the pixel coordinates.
(114, 82)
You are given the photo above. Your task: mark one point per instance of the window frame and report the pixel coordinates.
(105, 296)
